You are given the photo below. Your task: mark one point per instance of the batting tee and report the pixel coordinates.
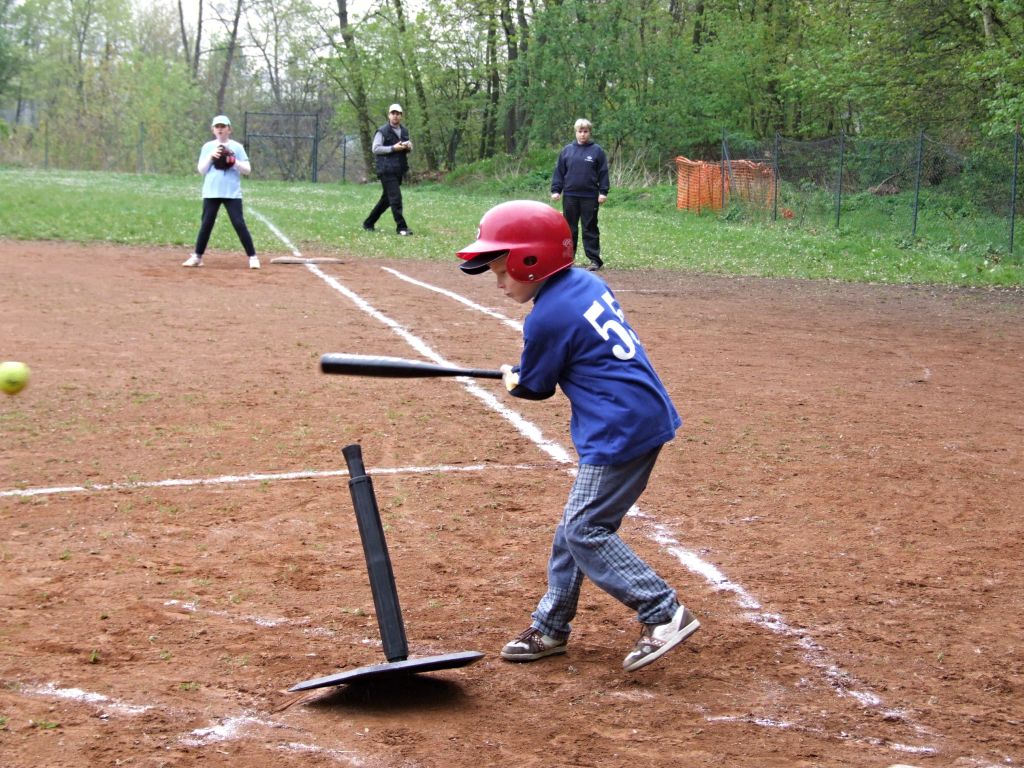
(702, 185)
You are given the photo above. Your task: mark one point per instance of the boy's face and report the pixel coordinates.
(582, 135)
(222, 132)
(518, 292)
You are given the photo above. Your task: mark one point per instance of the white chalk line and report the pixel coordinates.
(227, 728)
(255, 477)
(513, 324)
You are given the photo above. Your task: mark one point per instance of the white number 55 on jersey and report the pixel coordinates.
(612, 325)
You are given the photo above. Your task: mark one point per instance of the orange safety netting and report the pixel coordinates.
(699, 184)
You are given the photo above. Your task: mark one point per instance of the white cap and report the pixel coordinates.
(394, 108)
(220, 120)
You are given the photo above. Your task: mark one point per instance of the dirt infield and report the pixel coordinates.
(842, 510)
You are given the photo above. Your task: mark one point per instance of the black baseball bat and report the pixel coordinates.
(395, 367)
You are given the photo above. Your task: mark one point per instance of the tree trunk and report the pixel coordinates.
(493, 91)
(184, 35)
(229, 58)
(515, 43)
(365, 127)
(199, 39)
(698, 26)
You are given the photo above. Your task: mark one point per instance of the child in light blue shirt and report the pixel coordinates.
(222, 162)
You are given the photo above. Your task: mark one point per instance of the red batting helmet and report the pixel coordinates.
(535, 236)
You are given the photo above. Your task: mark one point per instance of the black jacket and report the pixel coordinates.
(581, 171)
(392, 163)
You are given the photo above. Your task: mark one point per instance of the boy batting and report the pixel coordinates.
(576, 337)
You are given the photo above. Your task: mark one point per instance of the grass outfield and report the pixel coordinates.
(642, 231)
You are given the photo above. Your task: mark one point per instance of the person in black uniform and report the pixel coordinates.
(580, 179)
(391, 148)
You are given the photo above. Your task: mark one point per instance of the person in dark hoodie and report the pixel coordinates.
(391, 148)
(580, 180)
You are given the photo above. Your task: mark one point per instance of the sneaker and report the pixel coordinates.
(658, 639)
(368, 228)
(254, 262)
(193, 261)
(405, 232)
(595, 266)
(532, 644)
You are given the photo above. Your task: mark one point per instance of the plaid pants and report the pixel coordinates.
(586, 544)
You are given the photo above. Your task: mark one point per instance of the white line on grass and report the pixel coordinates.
(277, 232)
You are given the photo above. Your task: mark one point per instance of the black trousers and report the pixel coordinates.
(391, 197)
(211, 205)
(581, 212)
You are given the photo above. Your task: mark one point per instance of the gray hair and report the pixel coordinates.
(583, 123)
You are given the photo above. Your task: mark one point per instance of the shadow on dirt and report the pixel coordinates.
(410, 692)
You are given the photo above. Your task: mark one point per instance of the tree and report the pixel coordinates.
(346, 69)
(191, 53)
(9, 58)
(232, 27)
(996, 69)
(407, 48)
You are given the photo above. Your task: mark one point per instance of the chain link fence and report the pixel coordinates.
(911, 189)
(283, 146)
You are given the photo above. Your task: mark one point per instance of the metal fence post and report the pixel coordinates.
(775, 178)
(1013, 184)
(316, 142)
(839, 180)
(344, 157)
(140, 148)
(725, 155)
(917, 182)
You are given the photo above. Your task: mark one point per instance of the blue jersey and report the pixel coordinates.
(577, 337)
(223, 184)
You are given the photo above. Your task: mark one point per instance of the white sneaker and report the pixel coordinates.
(532, 644)
(254, 262)
(193, 261)
(658, 639)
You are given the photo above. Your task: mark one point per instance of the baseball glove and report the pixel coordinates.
(226, 159)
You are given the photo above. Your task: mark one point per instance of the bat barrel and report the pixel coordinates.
(395, 367)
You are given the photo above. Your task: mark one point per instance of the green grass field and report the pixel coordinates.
(640, 228)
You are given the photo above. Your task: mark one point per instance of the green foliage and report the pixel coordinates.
(482, 79)
(530, 172)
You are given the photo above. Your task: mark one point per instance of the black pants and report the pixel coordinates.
(583, 211)
(211, 205)
(391, 197)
